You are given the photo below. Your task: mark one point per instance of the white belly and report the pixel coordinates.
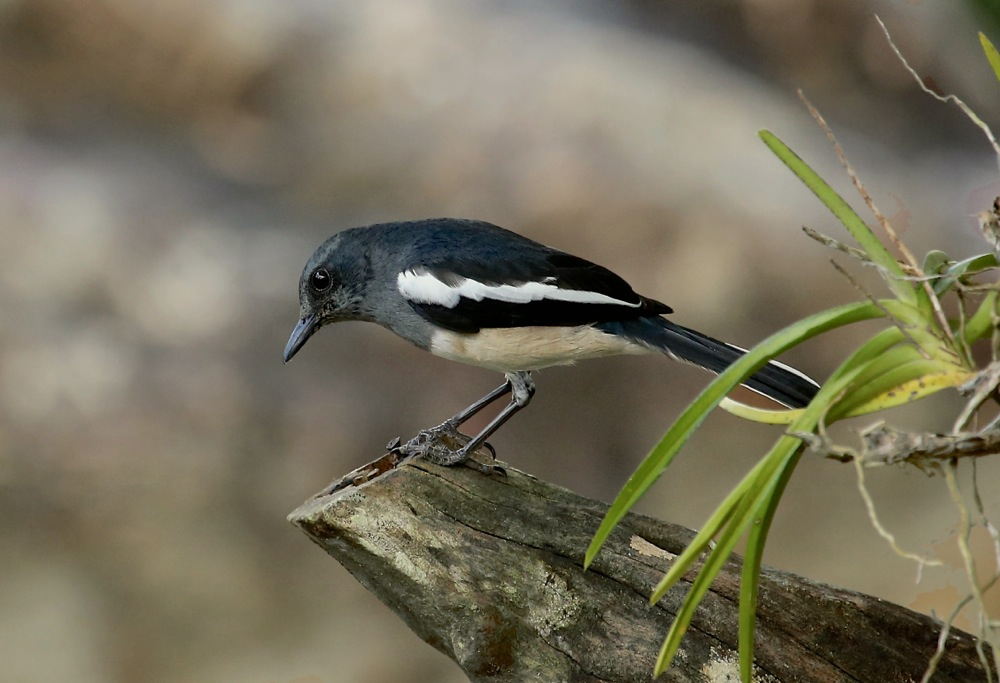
(530, 348)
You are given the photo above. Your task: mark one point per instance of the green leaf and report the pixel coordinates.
(934, 262)
(753, 558)
(921, 328)
(709, 530)
(901, 375)
(964, 268)
(714, 563)
(664, 452)
(762, 415)
(983, 320)
(873, 348)
(895, 277)
(897, 356)
(700, 586)
(746, 504)
(991, 54)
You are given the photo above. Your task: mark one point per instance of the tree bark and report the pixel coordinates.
(487, 569)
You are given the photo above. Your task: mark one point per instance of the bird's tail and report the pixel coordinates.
(777, 381)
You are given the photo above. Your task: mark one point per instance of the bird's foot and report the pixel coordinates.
(445, 445)
(442, 445)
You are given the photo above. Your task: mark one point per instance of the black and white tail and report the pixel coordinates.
(777, 381)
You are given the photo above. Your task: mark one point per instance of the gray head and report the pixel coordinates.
(333, 286)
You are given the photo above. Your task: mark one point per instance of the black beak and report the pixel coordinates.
(300, 335)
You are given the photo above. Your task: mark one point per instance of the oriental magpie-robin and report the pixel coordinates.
(477, 293)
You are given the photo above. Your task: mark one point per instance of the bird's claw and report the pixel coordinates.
(445, 445)
(428, 444)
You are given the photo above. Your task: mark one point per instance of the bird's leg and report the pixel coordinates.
(518, 384)
(428, 442)
(458, 420)
(522, 388)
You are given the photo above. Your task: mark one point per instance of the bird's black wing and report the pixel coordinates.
(520, 285)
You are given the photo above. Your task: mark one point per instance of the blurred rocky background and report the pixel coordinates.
(167, 168)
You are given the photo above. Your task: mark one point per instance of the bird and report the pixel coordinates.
(473, 292)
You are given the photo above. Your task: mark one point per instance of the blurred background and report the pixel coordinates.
(168, 167)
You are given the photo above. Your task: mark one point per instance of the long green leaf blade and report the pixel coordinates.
(723, 549)
(753, 559)
(702, 583)
(664, 452)
(873, 348)
(872, 246)
(703, 539)
(757, 486)
(894, 379)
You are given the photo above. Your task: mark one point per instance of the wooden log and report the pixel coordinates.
(487, 569)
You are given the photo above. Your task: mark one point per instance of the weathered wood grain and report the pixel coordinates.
(487, 569)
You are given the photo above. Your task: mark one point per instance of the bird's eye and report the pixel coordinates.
(320, 280)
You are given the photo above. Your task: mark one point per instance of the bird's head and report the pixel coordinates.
(332, 287)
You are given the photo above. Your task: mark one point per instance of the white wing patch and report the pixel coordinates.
(420, 286)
